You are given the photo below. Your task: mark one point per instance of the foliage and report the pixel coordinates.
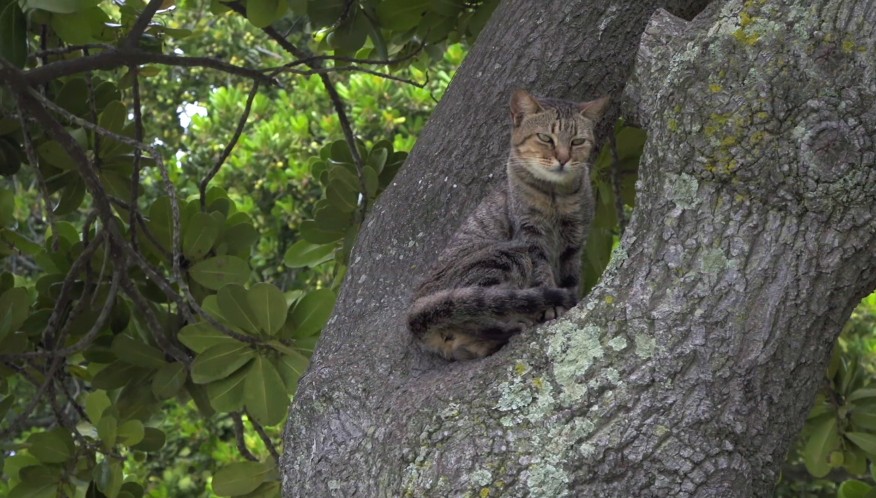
(134, 292)
(840, 433)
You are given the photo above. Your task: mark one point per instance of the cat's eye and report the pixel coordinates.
(578, 141)
(544, 138)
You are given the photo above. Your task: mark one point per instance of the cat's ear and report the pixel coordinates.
(522, 104)
(593, 110)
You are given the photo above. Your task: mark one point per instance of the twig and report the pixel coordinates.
(241, 123)
(352, 68)
(135, 175)
(70, 49)
(338, 102)
(336, 99)
(66, 287)
(264, 436)
(133, 38)
(152, 322)
(38, 174)
(129, 56)
(238, 434)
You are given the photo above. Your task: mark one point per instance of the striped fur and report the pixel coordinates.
(516, 260)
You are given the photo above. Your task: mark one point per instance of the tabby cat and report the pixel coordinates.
(516, 260)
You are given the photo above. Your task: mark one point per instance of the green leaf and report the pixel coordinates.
(95, 404)
(821, 443)
(131, 432)
(215, 272)
(168, 380)
(863, 393)
(240, 238)
(108, 477)
(108, 431)
(863, 419)
(350, 35)
(200, 336)
(329, 218)
(311, 313)
(234, 306)
(60, 6)
(261, 13)
(153, 440)
(117, 374)
(35, 489)
(14, 308)
(226, 395)
(268, 305)
(325, 12)
(83, 26)
(19, 242)
(239, 478)
(291, 367)
(54, 446)
(11, 156)
(304, 254)
(136, 352)
(400, 15)
(113, 116)
(447, 7)
(312, 232)
(853, 489)
(262, 389)
(866, 442)
(71, 197)
(13, 36)
(343, 189)
(220, 361)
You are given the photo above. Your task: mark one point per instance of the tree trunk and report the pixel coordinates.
(690, 368)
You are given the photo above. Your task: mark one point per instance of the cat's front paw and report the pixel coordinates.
(553, 313)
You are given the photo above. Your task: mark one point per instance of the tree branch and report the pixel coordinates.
(130, 56)
(241, 123)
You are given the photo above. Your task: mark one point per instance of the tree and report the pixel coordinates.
(689, 369)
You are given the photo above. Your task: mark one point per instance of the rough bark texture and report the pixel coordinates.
(689, 369)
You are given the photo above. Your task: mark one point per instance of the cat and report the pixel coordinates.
(516, 260)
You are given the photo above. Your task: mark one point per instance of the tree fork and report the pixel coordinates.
(690, 368)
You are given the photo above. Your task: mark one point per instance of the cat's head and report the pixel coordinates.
(552, 139)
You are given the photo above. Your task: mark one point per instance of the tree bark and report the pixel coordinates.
(690, 368)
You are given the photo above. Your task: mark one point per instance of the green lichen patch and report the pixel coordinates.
(682, 189)
(713, 261)
(645, 345)
(547, 479)
(481, 478)
(574, 351)
(619, 343)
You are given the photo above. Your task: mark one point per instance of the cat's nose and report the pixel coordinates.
(562, 157)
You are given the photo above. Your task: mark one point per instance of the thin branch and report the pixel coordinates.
(265, 438)
(241, 123)
(69, 49)
(351, 69)
(50, 333)
(338, 102)
(152, 322)
(135, 175)
(238, 435)
(336, 99)
(122, 57)
(133, 38)
(38, 174)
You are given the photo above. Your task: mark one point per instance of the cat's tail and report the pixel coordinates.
(471, 322)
